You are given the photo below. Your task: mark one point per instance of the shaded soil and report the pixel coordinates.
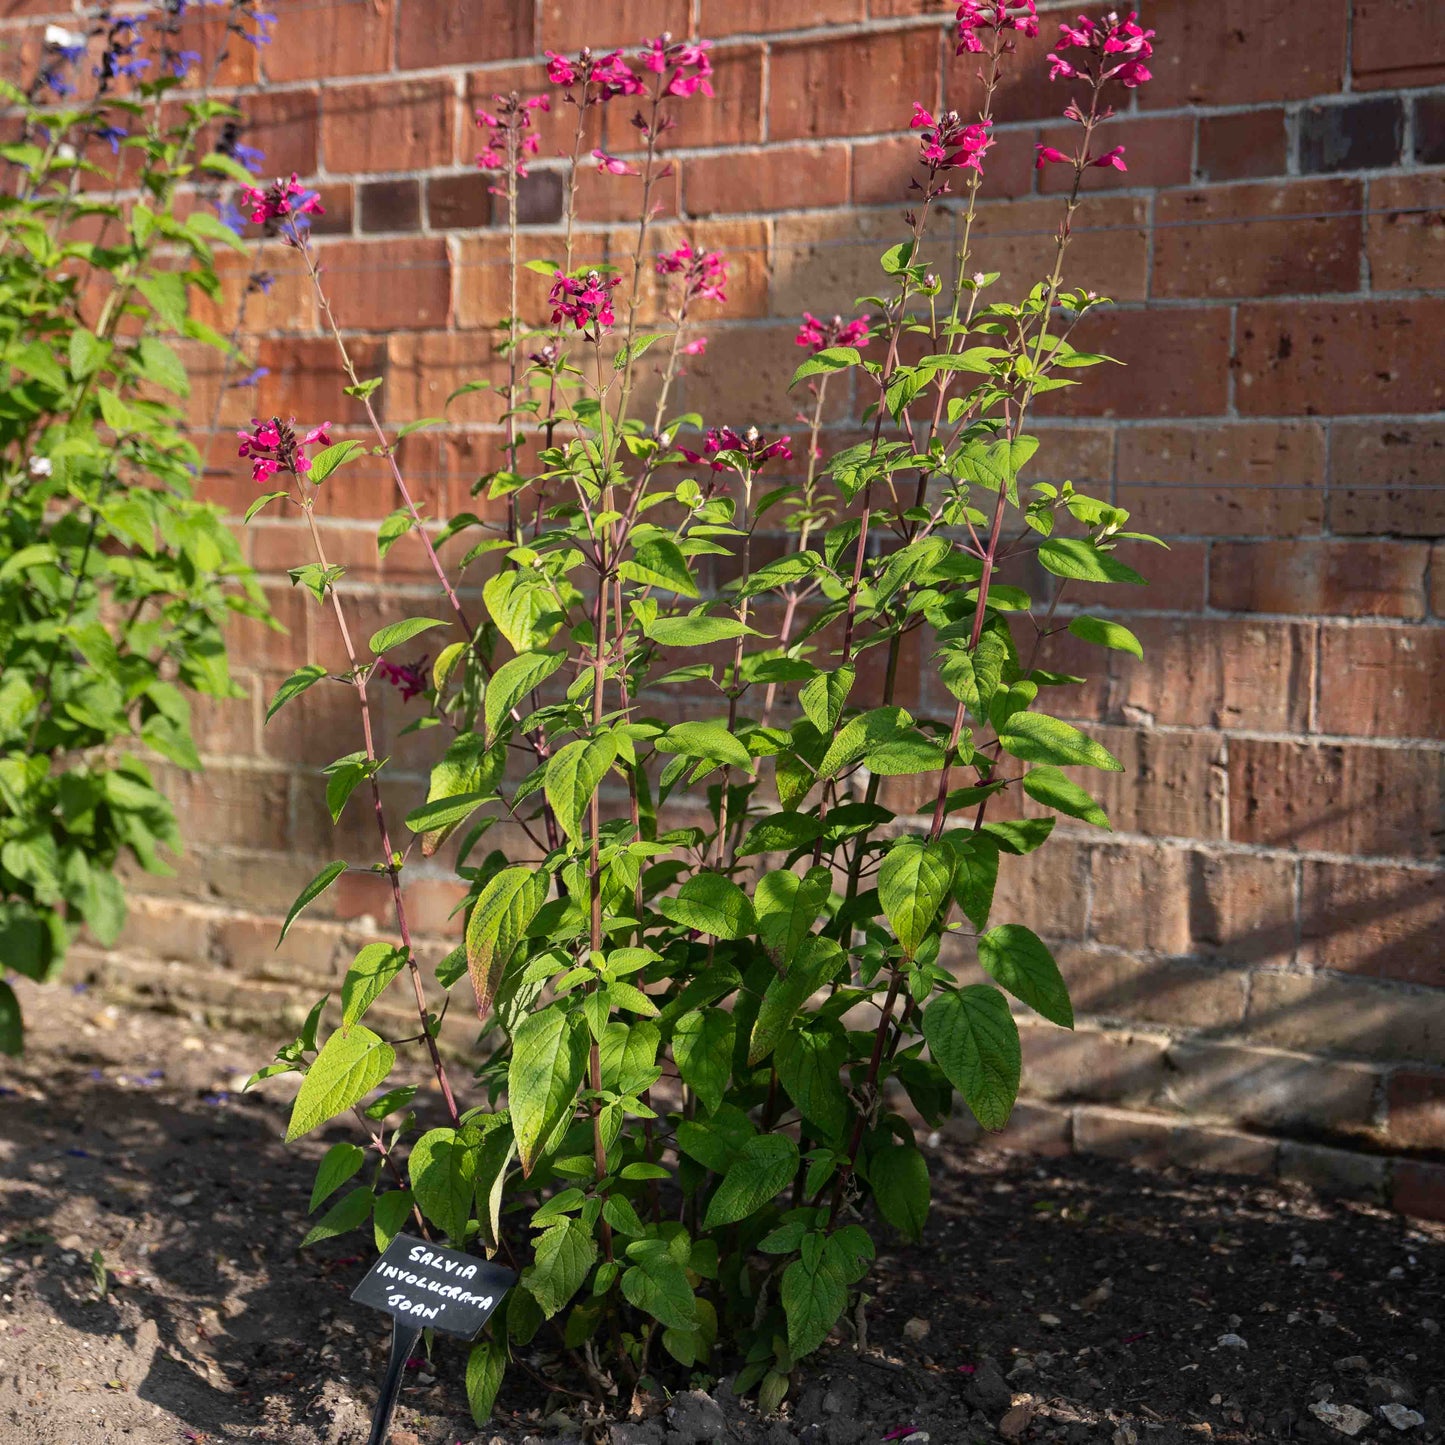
(1070, 1300)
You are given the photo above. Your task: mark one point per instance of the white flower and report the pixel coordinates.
(63, 39)
(40, 466)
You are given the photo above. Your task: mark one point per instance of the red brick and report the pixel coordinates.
(1240, 146)
(1176, 363)
(460, 34)
(398, 285)
(843, 87)
(1024, 92)
(401, 124)
(1172, 786)
(458, 203)
(483, 286)
(1377, 922)
(1352, 579)
(1242, 908)
(1246, 240)
(305, 378)
(1240, 52)
(1112, 984)
(1060, 1064)
(1141, 898)
(777, 179)
(1405, 243)
(1417, 1111)
(1384, 477)
(1397, 43)
(1323, 359)
(568, 26)
(733, 117)
(289, 304)
(1316, 1013)
(1383, 681)
(822, 263)
(1373, 801)
(284, 124)
(1419, 1189)
(391, 205)
(746, 17)
(317, 41)
(603, 197)
(1159, 151)
(1218, 672)
(338, 216)
(743, 379)
(1258, 478)
(424, 369)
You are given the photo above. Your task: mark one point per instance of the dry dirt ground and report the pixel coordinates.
(1067, 1300)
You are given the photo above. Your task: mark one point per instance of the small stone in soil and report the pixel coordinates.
(1401, 1418)
(1347, 1419)
(916, 1329)
(1232, 1342)
(1357, 1363)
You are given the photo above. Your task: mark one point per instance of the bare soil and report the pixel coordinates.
(1070, 1300)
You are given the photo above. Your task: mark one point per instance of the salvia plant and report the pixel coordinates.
(116, 582)
(718, 982)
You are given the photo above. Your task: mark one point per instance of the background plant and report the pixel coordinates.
(709, 984)
(115, 581)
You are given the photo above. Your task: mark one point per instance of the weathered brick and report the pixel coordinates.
(391, 205)
(1254, 479)
(1322, 358)
(285, 124)
(1374, 801)
(1038, 1129)
(1173, 784)
(1373, 921)
(1227, 1151)
(304, 378)
(797, 177)
(1240, 52)
(339, 205)
(1356, 136)
(1159, 151)
(425, 368)
(1384, 478)
(734, 115)
(1218, 672)
(1339, 1173)
(394, 285)
(1347, 1016)
(565, 25)
(1242, 907)
(1141, 898)
(458, 203)
(1419, 1189)
(1383, 681)
(1265, 1088)
(161, 929)
(1351, 579)
(1064, 1064)
(1142, 1139)
(1430, 130)
(288, 305)
(1405, 243)
(1050, 887)
(377, 127)
(1242, 145)
(1111, 984)
(222, 805)
(340, 38)
(842, 87)
(460, 34)
(1397, 43)
(1250, 240)
(1417, 1109)
(726, 17)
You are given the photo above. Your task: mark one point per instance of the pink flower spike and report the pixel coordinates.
(612, 165)
(1049, 155)
(1113, 158)
(318, 436)
(921, 118)
(695, 348)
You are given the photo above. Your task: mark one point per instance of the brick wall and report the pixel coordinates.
(1255, 951)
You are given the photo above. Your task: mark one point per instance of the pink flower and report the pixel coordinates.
(704, 273)
(409, 677)
(584, 300)
(272, 446)
(612, 76)
(1118, 50)
(612, 165)
(1113, 158)
(282, 205)
(751, 446)
(821, 334)
(695, 348)
(560, 70)
(948, 142)
(510, 137)
(687, 59)
(997, 15)
(1051, 155)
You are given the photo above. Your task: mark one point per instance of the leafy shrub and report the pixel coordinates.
(115, 582)
(715, 965)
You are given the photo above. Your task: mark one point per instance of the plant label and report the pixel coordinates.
(430, 1287)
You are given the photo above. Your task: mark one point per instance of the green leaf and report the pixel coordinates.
(1037, 738)
(824, 698)
(710, 903)
(445, 813)
(363, 389)
(12, 1031)
(442, 1167)
(913, 883)
(974, 1040)
(486, 1366)
(974, 677)
(512, 681)
(1047, 785)
(503, 910)
(702, 1046)
(256, 506)
(781, 833)
(574, 774)
(1016, 957)
(312, 891)
(696, 631)
(337, 1165)
(659, 562)
(549, 1057)
(657, 1284)
(349, 1066)
(565, 1251)
(763, 1168)
(810, 1062)
(160, 364)
(87, 353)
(348, 1213)
(1106, 634)
(399, 632)
(814, 1294)
(294, 686)
(708, 740)
(975, 876)
(1079, 559)
(898, 1175)
(332, 458)
(830, 358)
(389, 1216)
(371, 971)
